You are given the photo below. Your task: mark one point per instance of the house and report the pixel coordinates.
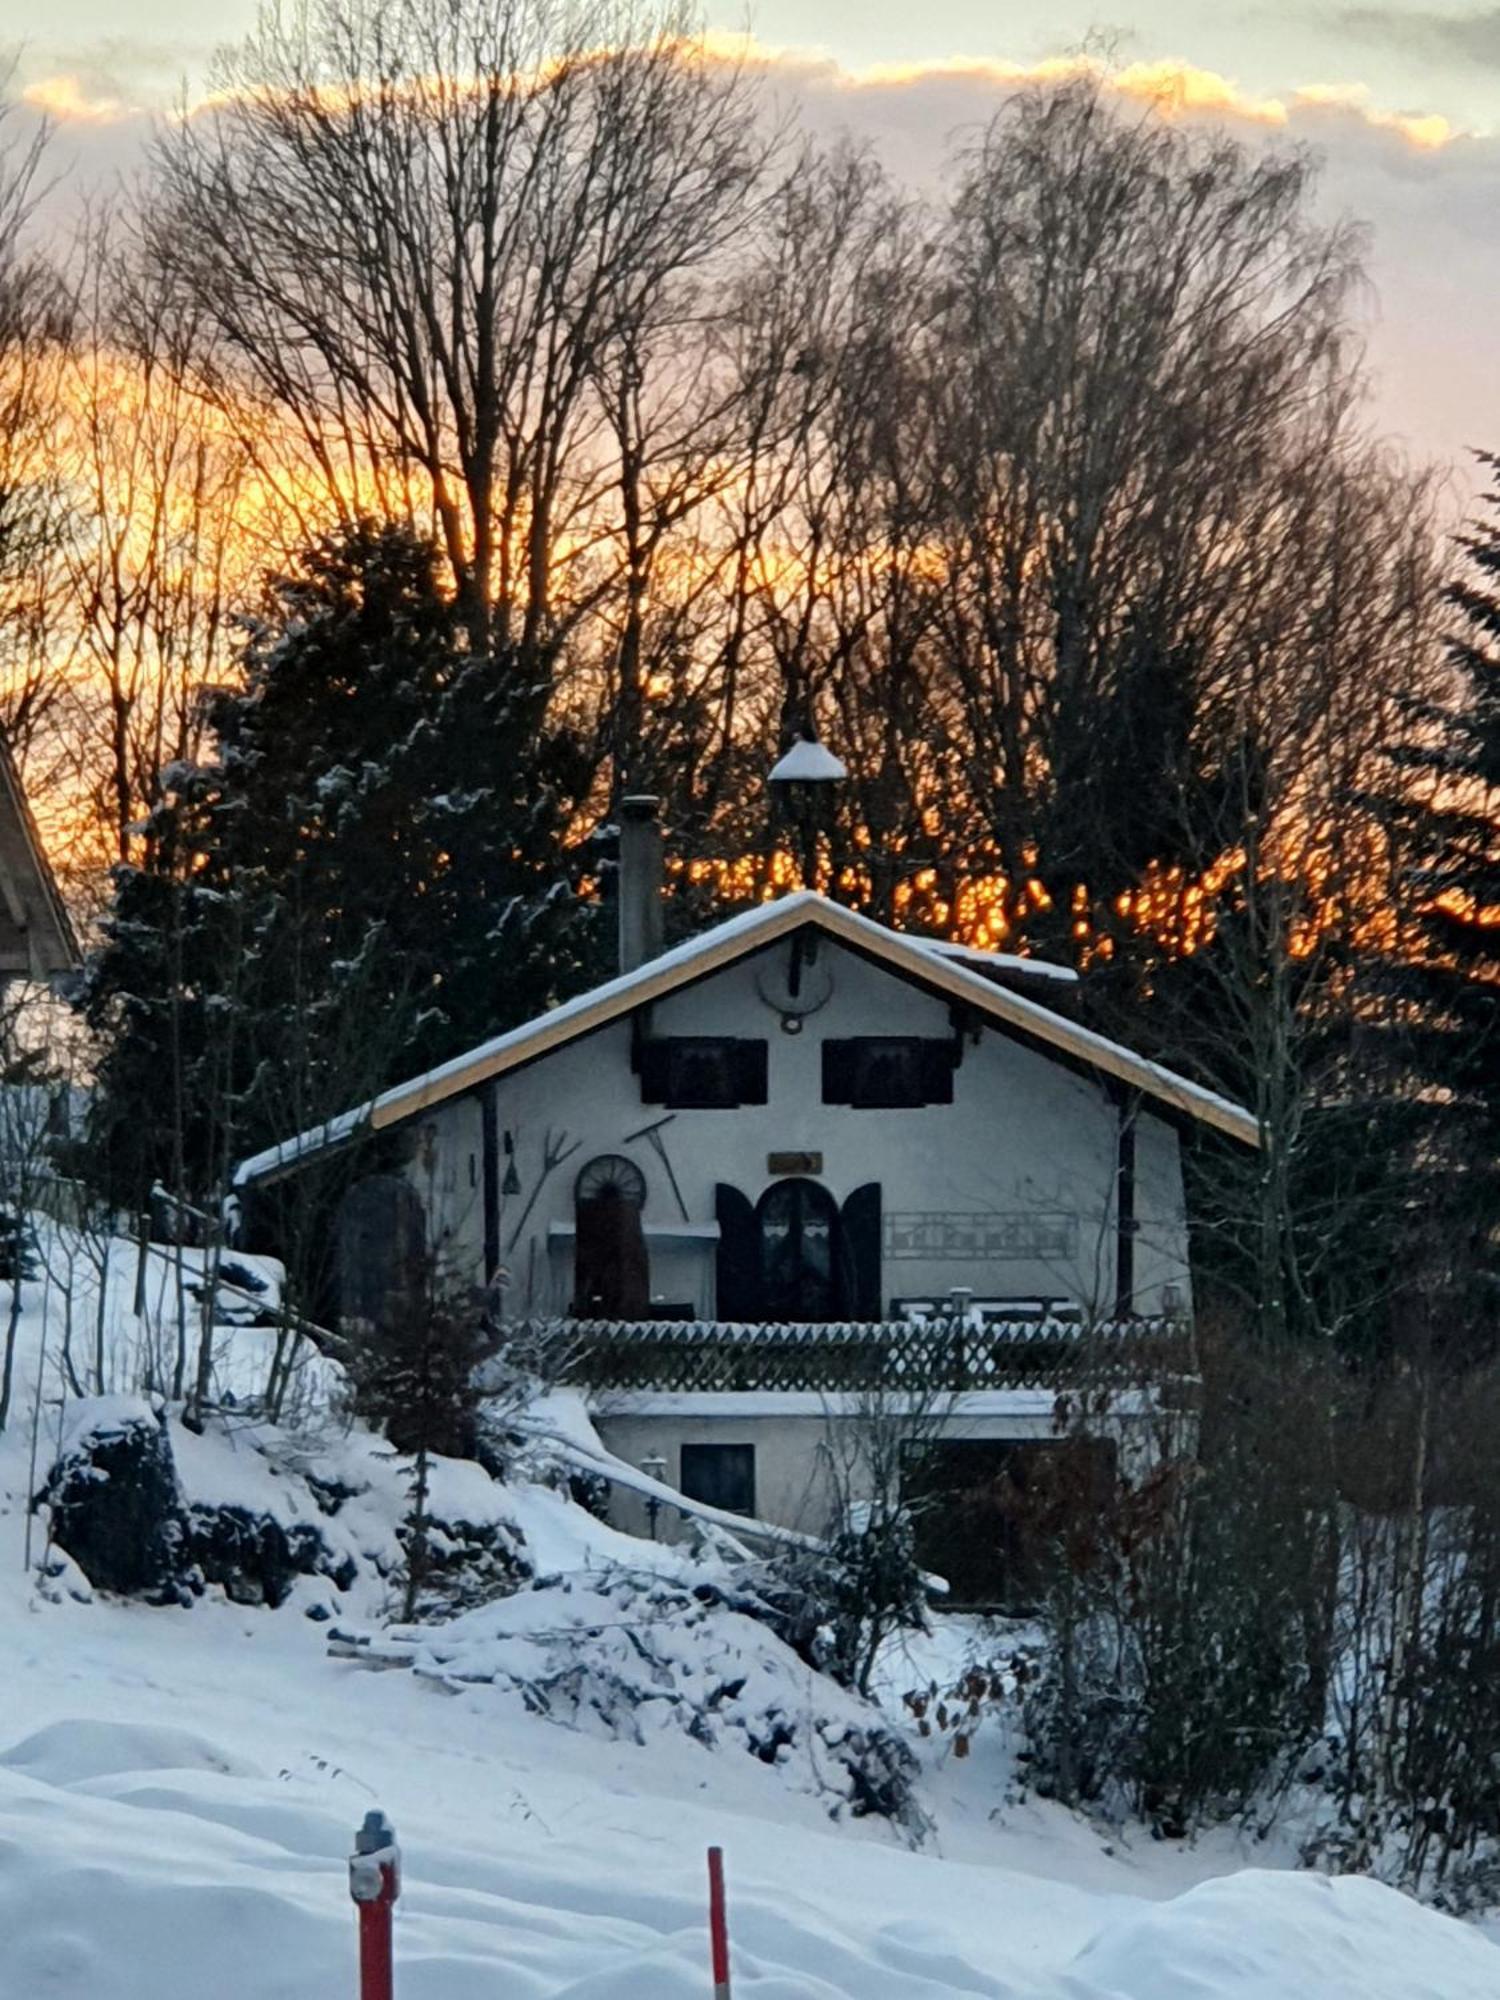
(794, 1161)
(36, 936)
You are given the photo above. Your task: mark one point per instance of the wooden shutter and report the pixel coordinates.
(862, 1247)
(651, 1061)
(888, 1072)
(738, 1268)
(702, 1072)
(838, 1072)
(937, 1061)
(751, 1065)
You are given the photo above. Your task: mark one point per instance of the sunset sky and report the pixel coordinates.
(1402, 100)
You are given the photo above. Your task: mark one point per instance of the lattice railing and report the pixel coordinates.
(940, 1355)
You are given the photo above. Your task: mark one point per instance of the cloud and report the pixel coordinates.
(1470, 37)
(66, 99)
(1424, 131)
(92, 93)
(1429, 190)
(1171, 87)
(1168, 85)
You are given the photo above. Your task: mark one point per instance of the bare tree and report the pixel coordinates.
(35, 326)
(165, 547)
(454, 250)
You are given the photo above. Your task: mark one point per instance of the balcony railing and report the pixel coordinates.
(942, 1356)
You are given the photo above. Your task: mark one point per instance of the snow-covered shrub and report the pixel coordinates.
(988, 1689)
(117, 1508)
(835, 1606)
(629, 1653)
(115, 1505)
(255, 1558)
(462, 1564)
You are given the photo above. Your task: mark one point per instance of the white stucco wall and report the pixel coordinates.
(808, 1448)
(806, 1452)
(445, 1163)
(1026, 1140)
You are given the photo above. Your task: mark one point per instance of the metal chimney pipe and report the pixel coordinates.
(641, 875)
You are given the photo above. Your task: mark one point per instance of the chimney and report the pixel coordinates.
(640, 882)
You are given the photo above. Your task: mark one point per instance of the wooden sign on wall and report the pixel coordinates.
(794, 1163)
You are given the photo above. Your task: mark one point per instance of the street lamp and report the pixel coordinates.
(800, 784)
(654, 1467)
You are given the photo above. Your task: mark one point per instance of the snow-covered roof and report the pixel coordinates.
(1000, 961)
(711, 951)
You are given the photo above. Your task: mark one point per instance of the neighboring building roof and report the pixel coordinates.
(36, 936)
(1003, 962)
(714, 950)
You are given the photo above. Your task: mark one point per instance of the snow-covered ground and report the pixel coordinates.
(179, 1788)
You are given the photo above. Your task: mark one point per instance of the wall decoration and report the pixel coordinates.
(555, 1150)
(611, 1174)
(936, 1236)
(798, 985)
(652, 1135)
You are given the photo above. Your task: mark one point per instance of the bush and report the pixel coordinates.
(836, 1606)
(1189, 1635)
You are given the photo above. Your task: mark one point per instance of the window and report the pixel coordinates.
(888, 1072)
(800, 1268)
(720, 1475)
(702, 1072)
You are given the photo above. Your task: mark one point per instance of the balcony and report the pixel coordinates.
(952, 1355)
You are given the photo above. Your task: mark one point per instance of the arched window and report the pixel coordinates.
(801, 1253)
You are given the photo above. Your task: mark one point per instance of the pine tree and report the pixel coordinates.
(1441, 983)
(369, 876)
(415, 1374)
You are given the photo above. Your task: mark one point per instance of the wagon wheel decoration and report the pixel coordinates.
(611, 1174)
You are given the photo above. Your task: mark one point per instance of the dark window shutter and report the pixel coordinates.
(888, 1072)
(862, 1247)
(751, 1064)
(702, 1072)
(738, 1263)
(838, 1072)
(651, 1060)
(937, 1072)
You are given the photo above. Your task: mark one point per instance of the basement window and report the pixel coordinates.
(702, 1072)
(888, 1072)
(720, 1475)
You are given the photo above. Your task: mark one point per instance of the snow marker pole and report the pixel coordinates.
(718, 1924)
(375, 1883)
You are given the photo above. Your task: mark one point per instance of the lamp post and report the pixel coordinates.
(800, 783)
(654, 1467)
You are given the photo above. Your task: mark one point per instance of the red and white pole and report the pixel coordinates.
(718, 1923)
(375, 1883)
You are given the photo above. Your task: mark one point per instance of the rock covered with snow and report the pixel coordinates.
(147, 1508)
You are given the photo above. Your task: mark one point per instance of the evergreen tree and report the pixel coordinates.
(1441, 984)
(368, 877)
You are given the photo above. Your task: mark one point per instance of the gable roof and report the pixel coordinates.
(913, 958)
(36, 936)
